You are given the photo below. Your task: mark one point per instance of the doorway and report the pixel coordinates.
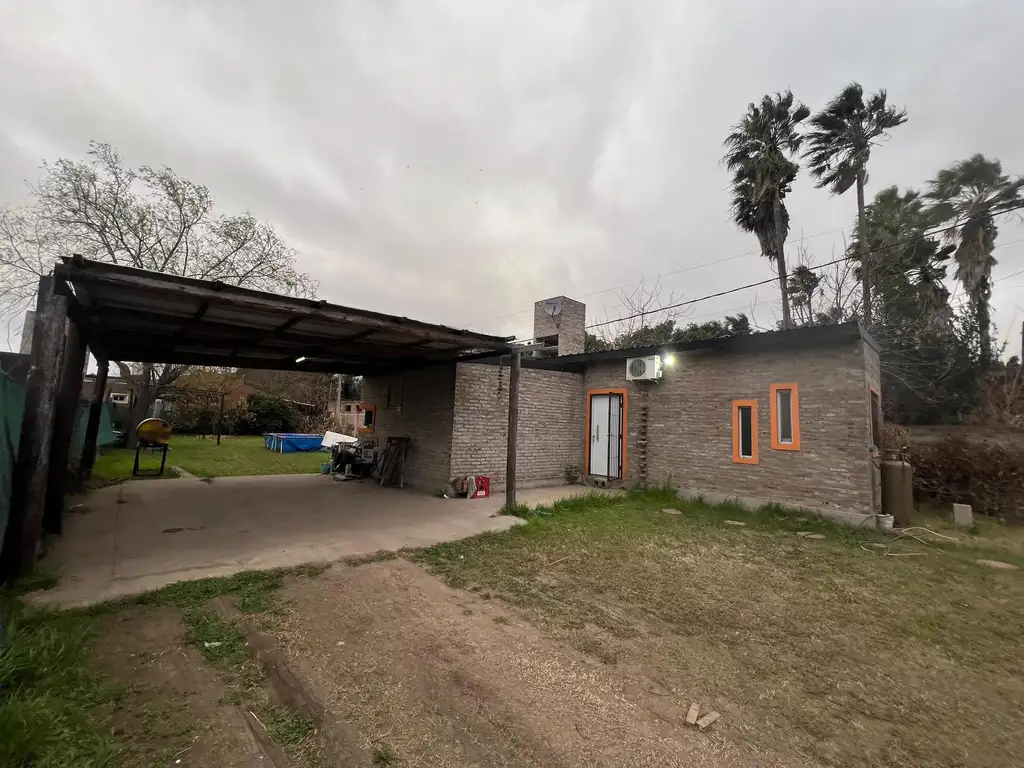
(606, 419)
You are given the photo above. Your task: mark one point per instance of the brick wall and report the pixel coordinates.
(690, 425)
(569, 325)
(550, 424)
(421, 408)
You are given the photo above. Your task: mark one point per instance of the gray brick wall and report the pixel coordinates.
(422, 409)
(569, 325)
(690, 425)
(550, 424)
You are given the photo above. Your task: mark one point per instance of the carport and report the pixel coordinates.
(126, 314)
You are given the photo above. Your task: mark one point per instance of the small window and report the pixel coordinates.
(744, 431)
(121, 398)
(369, 421)
(785, 417)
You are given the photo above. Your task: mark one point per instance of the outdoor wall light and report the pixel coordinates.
(669, 359)
(300, 359)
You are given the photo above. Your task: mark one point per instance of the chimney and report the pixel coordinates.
(560, 323)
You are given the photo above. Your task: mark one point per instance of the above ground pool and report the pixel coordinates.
(291, 442)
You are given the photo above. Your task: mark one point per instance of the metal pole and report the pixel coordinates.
(513, 430)
(220, 418)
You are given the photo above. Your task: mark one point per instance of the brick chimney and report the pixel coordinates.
(561, 323)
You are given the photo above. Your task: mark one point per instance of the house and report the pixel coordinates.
(119, 391)
(789, 417)
(348, 414)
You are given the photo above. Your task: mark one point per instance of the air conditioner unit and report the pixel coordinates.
(643, 368)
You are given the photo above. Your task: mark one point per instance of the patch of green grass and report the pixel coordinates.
(827, 651)
(516, 510)
(374, 557)
(384, 755)
(41, 579)
(286, 727)
(47, 697)
(205, 459)
(114, 465)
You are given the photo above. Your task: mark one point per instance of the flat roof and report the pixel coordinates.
(136, 315)
(791, 340)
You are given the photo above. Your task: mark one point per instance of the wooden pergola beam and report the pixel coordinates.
(513, 431)
(70, 387)
(31, 470)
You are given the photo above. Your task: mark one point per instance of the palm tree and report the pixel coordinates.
(908, 270)
(759, 154)
(970, 194)
(840, 143)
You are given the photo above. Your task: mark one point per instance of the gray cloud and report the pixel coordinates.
(456, 161)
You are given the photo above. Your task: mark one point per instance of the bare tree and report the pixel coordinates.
(644, 317)
(149, 218)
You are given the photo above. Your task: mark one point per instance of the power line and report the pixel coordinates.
(922, 236)
(680, 271)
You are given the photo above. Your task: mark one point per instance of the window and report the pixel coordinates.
(121, 398)
(744, 431)
(369, 420)
(784, 405)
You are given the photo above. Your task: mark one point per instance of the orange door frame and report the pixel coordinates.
(623, 442)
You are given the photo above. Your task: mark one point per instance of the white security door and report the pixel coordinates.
(606, 435)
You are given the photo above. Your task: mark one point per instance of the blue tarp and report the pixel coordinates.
(291, 442)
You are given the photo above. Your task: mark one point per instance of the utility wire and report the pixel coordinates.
(681, 271)
(854, 257)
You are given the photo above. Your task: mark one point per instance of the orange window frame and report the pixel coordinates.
(623, 438)
(365, 408)
(736, 437)
(794, 415)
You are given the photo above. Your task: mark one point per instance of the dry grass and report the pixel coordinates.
(819, 650)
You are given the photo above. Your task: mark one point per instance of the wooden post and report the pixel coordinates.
(64, 428)
(513, 432)
(29, 481)
(220, 418)
(92, 427)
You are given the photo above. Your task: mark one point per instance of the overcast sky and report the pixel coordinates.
(454, 161)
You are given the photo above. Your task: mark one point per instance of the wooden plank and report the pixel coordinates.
(64, 427)
(28, 496)
(513, 432)
(693, 713)
(92, 427)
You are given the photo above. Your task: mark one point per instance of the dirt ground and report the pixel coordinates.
(176, 710)
(446, 678)
(411, 673)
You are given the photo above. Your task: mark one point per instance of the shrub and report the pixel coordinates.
(988, 476)
(265, 413)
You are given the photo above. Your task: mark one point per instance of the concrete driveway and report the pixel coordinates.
(143, 535)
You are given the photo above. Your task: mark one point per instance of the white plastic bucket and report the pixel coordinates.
(885, 522)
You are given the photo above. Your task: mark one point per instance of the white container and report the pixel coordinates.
(884, 522)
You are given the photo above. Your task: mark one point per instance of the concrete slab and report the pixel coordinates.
(143, 535)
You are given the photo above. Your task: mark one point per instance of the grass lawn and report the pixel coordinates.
(57, 712)
(204, 458)
(815, 651)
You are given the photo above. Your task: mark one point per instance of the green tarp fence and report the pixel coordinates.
(12, 407)
(12, 410)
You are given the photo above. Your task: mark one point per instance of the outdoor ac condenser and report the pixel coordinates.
(643, 368)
